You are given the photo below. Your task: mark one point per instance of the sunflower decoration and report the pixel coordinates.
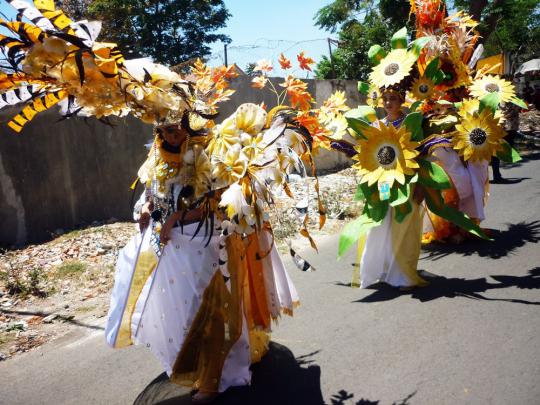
(493, 90)
(471, 106)
(423, 88)
(395, 67)
(386, 156)
(374, 96)
(479, 136)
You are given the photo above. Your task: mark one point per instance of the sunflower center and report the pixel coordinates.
(423, 88)
(478, 136)
(386, 155)
(492, 87)
(391, 69)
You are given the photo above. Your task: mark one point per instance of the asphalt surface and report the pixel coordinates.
(471, 337)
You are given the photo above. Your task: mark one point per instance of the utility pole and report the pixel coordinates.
(331, 58)
(226, 61)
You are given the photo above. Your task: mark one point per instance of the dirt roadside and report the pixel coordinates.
(52, 288)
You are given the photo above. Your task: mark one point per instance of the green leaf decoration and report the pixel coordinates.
(508, 154)
(364, 112)
(375, 54)
(432, 68)
(418, 44)
(435, 203)
(490, 101)
(352, 232)
(363, 87)
(399, 194)
(358, 125)
(413, 122)
(402, 210)
(432, 175)
(399, 39)
(414, 106)
(362, 192)
(377, 211)
(519, 102)
(438, 77)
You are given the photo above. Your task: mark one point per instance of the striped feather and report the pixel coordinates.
(30, 12)
(37, 105)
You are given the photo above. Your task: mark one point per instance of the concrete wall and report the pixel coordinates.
(69, 173)
(64, 174)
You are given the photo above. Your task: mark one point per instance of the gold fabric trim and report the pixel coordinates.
(146, 263)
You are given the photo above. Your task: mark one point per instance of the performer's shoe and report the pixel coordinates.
(201, 397)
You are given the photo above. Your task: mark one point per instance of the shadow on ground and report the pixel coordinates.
(343, 397)
(279, 378)
(504, 243)
(59, 317)
(442, 287)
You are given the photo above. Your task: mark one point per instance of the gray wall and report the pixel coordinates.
(69, 173)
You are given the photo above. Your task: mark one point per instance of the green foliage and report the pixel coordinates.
(171, 32)
(70, 269)
(510, 25)
(16, 284)
(505, 25)
(360, 24)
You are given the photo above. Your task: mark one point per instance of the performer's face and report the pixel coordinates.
(173, 134)
(392, 103)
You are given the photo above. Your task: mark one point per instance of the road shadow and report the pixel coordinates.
(59, 317)
(279, 378)
(504, 243)
(443, 287)
(509, 180)
(345, 398)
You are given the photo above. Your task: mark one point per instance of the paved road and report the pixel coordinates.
(472, 337)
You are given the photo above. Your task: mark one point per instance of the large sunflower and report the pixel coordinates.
(393, 68)
(478, 136)
(493, 84)
(387, 155)
(423, 88)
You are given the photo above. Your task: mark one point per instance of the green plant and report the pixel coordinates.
(70, 269)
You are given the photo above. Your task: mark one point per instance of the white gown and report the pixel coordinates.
(172, 294)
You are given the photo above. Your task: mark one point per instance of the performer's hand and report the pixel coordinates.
(166, 229)
(144, 218)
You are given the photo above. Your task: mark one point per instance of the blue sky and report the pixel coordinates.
(264, 29)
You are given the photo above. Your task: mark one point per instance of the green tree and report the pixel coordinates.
(169, 31)
(359, 24)
(505, 25)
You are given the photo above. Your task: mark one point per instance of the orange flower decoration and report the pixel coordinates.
(221, 74)
(304, 61)
(263, 65)
(297, 92)
(284, 62)
(259, 82)
(308, 120)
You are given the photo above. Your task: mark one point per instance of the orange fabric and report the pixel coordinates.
(256, 289)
